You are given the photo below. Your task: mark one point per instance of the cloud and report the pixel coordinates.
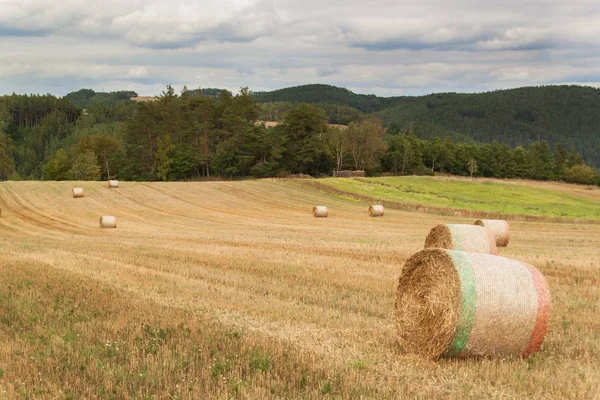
(327, 71)
(386, 47)
(16, 32)
(155, 24)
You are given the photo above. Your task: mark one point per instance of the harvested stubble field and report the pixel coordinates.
(234, 290)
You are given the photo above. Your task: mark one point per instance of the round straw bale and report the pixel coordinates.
(113, 184)
(320, 211)
(462, 237)
(456, 304)
(499, 228)
(376, 210)
(77, 192)
(108, 221)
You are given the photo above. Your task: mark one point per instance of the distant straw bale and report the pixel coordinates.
(499, 228)
(320, 211)
(376, 210)
(457, 304)
(113, 184)
(77, 192)
(108, 221)
(470, 238)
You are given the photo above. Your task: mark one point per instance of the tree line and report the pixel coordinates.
(203, 134)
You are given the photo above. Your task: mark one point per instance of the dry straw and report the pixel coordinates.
(499, 228)
(470, 238)
(376, 210)
(77, 192)
(113, 184)
(456, 304)
(320, 211)
(108, 221)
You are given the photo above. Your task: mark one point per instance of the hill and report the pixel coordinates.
(85, 98)
(328, 94)
(569, 115)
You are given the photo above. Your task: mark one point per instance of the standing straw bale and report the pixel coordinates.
(499, 228)
(113, 184)
(376, 210)
(472, 238)
(108, 221)
(320, 211)
(77, 192)
(456, 304)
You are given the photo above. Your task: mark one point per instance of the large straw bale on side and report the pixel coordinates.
(456, 304)
(108, 221)
(469, 238)
(113, 184)
(499, 228)
(77, 192)
(320, 211)
(376, 210)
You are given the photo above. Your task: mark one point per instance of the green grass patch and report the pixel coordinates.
(485, 196)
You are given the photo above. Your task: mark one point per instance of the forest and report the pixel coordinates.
(566, 115)
(212, 133)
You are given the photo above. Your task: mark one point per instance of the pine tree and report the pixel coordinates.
(303, 130)
(560, 157)
(7, 163)
(573, 158)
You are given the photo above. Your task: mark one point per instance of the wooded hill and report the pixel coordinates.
(206, 132)
(569, 115)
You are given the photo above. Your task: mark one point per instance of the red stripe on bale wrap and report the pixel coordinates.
(544, 311)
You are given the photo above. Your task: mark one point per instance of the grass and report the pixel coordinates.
(64, 337)
(233, 290)
(472, 195)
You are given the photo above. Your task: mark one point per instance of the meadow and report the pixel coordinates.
(509, 198)
(233, 290)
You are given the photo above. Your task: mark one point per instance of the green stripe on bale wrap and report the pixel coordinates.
(468, 303)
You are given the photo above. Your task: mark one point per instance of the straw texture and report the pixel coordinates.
(320, 211)
(376, 210)
(108, 221)
(113, 184)
(457, 304)
(77, 192)
(469, 238)
(499, 228)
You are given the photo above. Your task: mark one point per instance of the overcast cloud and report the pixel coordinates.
(382, 47)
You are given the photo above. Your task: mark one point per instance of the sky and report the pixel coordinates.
(389, 48)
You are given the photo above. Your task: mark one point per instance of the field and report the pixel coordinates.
(233, 290)
(507, 198)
